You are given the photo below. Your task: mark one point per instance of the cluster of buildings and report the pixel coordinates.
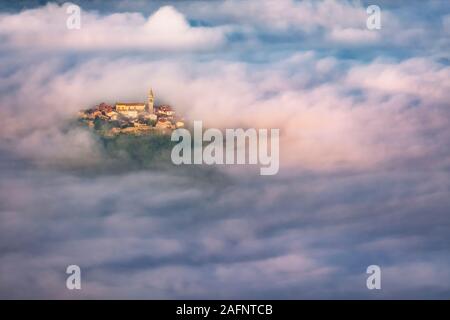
(132, 118)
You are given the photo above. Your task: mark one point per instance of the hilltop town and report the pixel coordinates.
(131, 118)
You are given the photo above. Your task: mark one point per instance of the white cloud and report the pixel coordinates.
(416, 76)
(285, 15)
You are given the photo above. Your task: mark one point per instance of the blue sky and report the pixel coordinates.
(363, 117)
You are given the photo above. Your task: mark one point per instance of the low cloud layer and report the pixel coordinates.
(46, 29)
(344, 123)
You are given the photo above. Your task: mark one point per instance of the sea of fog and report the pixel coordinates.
(363, 117)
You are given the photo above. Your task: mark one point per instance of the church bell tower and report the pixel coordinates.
(151, 100)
